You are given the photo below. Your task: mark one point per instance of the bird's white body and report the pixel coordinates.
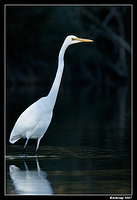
(34, 121)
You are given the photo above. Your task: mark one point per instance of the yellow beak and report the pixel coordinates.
(83, 40)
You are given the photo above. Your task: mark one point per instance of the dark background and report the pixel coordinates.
(94, 73)
(34, 35)
(91, 126)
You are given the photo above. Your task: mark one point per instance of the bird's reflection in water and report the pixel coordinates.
(30, 181)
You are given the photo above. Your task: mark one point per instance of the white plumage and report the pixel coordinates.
(34, 121)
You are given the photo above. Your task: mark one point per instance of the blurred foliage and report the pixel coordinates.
(34, 35)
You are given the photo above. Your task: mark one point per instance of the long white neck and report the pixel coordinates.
(55, 87)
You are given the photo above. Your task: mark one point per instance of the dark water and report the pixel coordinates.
(86, 150)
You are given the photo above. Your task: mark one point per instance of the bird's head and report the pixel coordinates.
(72, 39)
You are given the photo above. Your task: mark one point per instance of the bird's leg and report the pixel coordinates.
(25, 146)
(38, 141)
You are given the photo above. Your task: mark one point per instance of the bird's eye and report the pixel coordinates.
(73, 39)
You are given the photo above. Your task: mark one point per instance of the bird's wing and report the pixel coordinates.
(29, 119)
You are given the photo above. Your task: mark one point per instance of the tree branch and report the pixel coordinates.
(107, 30)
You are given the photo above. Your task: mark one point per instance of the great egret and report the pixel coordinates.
(34, 121)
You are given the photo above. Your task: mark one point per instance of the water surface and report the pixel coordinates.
(86, 149)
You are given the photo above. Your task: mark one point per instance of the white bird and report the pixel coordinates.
(35, 120)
